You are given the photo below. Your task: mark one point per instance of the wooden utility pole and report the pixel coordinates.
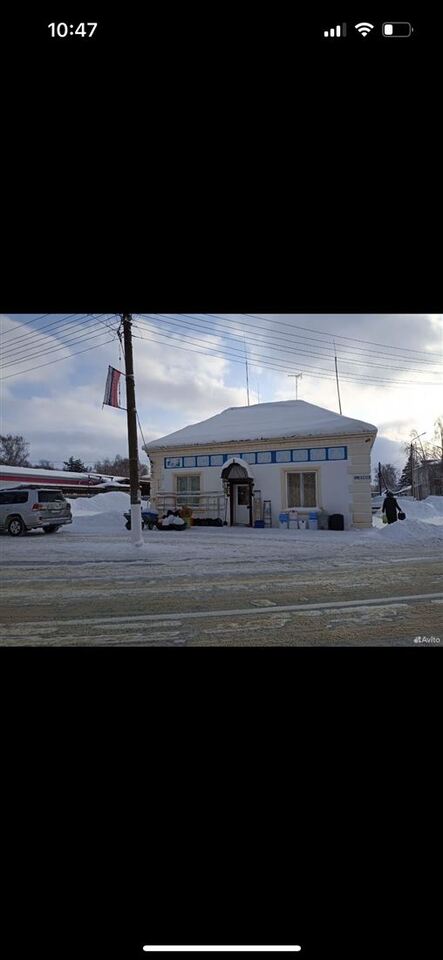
(131, 412)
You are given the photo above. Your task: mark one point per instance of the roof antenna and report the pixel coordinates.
(247, 372)
(296, 377)
(336, 377)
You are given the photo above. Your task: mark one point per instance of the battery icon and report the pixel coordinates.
(397, 29)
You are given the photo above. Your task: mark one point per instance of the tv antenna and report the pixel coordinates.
(296, 377)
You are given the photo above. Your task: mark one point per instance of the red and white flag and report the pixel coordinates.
(111, 397)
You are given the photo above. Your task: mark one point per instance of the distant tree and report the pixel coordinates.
(118, 467)
(75, 466)
(44, 465)
(433, 449)
(14, 451)
(389, 476)
(406, 477)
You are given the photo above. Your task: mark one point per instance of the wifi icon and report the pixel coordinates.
(364, 28)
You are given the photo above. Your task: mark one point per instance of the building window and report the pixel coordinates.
(188, 490)
(336, 453)
(302, 490)
(318, 453)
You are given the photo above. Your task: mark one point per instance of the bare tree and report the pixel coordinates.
(14, 451)
(389, 475)
(118, 467)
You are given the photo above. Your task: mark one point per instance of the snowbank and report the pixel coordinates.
(424, 521)
(405, 531)
(102, 503)
(427, 511)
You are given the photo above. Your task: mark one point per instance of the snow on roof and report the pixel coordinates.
(265, 421)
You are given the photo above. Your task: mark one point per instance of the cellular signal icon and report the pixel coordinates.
(364, 28)
(338, 31)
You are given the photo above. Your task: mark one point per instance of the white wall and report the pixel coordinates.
(337, 490)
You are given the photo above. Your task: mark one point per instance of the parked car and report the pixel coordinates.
(29, 508)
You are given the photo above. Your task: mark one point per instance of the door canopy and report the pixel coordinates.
(236, 469)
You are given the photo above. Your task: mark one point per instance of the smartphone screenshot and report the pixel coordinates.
(221, 480)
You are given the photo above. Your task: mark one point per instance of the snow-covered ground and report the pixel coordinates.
(98, 533)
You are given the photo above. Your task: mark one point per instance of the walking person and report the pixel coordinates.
(390, 507)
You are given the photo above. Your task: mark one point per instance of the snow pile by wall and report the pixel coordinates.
(102, 503)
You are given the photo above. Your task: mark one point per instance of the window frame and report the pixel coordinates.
(192, 499)
(309, 470)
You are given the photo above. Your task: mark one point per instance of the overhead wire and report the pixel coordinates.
(273, 365)
(265, 361)
(341, 337)
(73, 325)
(327, 345)
(58, 360)
(40, 332)
(271, 340)
(63, 344)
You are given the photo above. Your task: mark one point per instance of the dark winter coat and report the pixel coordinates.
(390, 507)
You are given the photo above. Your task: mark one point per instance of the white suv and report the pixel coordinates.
(27, 508)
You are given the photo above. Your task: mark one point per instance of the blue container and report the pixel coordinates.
(283, 519)
(313, 523)
(260, 524)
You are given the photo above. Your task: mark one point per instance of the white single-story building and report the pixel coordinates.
(261, 460)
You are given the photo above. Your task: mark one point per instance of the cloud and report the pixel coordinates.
(59, 408)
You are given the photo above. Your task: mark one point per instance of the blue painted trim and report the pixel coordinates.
(273, 458)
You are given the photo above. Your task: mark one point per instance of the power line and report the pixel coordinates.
(34, 338)
(73, 325)
(51, 336)
(271, 340)
(358, 378)
(340, 337)
(32, 319)
(265, 331)
(40, 331)
(59, 360)
(65, 344)
(348, 375)
(275, 365)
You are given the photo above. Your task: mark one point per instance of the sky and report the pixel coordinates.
(190, 367)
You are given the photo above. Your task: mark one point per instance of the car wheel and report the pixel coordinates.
(16, 527)
(51, 529)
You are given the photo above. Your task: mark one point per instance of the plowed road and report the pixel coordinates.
(378, 602)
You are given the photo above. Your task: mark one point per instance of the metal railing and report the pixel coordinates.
(203, 505)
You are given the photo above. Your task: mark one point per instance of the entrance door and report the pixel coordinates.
(241, 504)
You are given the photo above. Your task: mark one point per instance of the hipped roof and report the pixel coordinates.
(285, 419)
